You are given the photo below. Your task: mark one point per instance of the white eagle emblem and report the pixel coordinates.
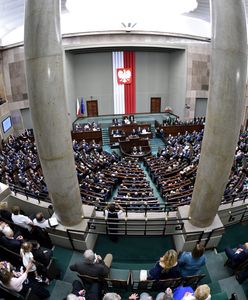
(124, 75)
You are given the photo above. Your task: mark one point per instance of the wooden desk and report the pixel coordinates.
(127, 130)
(88, 136)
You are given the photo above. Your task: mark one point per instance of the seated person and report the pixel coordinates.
(131, 118)
(140, 150)
(93, 265)
(21, 220)
(126, 120)
(143, 131)
(41, 254)
(166, 267)
(11, 241)
(16, 281)
(40, 221)
(237, 256)
(79, 291)
(115, 121)
(135, 151)
(4, 213)
(191, 262)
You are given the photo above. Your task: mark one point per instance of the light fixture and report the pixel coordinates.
(128, 26)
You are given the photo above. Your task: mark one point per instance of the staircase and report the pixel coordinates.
(155, 143)
(105, 136)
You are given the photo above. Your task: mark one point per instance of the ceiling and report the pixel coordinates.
(12, 14)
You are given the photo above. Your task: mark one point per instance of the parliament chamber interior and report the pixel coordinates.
(124, 148)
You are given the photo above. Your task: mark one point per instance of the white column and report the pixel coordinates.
(224, 111)
(44, 67)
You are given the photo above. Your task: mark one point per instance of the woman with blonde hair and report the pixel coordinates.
(202, 292)
(166, 267)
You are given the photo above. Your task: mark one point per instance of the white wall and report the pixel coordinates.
(152, 74)
(177, 82)
(26, 117)
(70, 85)
(93, 78)
(158, 74)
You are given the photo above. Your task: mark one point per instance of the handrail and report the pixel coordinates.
(133, 227)
(240, 211)
(211, 233)
(41, 196)
(165, 207)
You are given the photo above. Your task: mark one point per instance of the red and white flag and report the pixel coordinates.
(124, 82)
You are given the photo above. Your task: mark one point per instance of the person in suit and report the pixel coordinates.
(79, 291)
(93, 265)
(11, 241)
(236, 257)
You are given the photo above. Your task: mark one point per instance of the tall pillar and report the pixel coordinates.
(44, 67)
(224, 111)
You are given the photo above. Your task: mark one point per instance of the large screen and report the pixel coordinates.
(6, 124)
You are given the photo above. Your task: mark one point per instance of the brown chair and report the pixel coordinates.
(89, 279)
(163, 284)
(137, 284)
(193, 281)
(117, 280)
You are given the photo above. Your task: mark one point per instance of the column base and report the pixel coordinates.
(81, 241)
(187, 240)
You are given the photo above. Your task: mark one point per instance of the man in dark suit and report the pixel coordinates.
(236, 257)
(93, 265)
(11, 241)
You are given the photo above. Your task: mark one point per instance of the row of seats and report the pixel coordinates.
(123, 279)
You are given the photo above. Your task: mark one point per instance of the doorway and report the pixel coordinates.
(92, 108)
(155, 104)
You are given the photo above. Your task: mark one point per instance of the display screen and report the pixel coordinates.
(6, 124)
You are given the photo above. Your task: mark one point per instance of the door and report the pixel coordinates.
(155, 105)
(92, 108)
(201, 107)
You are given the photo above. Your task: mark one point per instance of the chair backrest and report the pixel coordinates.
(163, 284)
(52, 271)
(88, 279)
(116, 284)
(13, 257)
(144, 285)
(193, 281)
(15, 295)
(242, 266)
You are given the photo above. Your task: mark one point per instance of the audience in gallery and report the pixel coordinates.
(202, 292)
